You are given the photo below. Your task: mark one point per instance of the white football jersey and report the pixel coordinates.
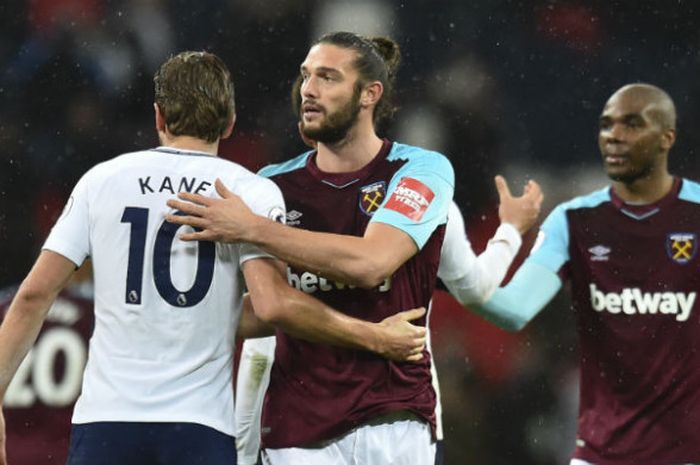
(166, 310)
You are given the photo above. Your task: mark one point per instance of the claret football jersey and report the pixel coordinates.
(318, 392)
(635, 279)
(166, 310)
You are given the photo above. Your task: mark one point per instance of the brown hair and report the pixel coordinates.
(195, 95)
(377, 59)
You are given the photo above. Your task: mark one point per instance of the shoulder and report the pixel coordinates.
(690, 191)
(424, 160)
(415, 154)
(592, 200)
(288, 166)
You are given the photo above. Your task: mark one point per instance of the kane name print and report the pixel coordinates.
(172, 186)
(411, 198)
(632, 301)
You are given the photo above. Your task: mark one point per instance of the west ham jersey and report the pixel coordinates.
(166, 310)
(318, 392)
(635, 278)
(39, 400)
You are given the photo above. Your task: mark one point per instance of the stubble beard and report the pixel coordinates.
(337, 124)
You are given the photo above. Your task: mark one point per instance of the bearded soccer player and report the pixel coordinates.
(157, 387)
(630, 254)
(378, 210)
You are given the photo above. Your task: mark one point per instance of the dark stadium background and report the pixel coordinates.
(498, 85)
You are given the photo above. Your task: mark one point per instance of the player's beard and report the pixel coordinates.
(632, 175)
(337, 124)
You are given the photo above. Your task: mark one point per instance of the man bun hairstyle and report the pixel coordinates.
(378, 59)
(195, 95)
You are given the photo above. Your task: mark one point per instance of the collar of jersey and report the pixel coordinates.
(343, 180)
(174, 151)
(647, 210)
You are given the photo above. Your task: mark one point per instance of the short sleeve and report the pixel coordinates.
(264, 198)
(551, 248)
(419, 197)
(70, 236)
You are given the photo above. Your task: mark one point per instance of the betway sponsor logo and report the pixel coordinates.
(310, 283)
(635, 302)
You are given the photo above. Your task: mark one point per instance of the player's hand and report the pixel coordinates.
(521, 212)
(3, 438)
(400, 340)
(226, 219)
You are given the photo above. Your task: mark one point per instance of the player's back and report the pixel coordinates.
(165, 310)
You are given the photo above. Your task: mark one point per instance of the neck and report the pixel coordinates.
(189, 143)
(644, 190)
(355, 151)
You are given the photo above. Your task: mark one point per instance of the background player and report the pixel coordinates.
(39, 401)
(630, 253)
(157, 386)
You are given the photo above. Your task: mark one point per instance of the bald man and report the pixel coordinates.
(629, 252)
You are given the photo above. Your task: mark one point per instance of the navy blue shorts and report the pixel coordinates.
(127, 443)
(439, 452)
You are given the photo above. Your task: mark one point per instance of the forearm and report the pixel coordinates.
(347, 259)
(481, 275)
(249, 325)
(19, 331)
(304, 317)
(514, 305)
(27, 311)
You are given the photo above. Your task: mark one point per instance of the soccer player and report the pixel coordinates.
(469, 278)
(378, 211)
(157, 387)
(630, 254)
(39, 402)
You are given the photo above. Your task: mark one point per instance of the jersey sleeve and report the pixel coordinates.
(253, 378)
(472, 279)
(551, 248)
(70, 236)
(264, 198)
(419, 197)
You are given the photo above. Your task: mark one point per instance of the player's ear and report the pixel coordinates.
(160, 120)
(229, 128)
(668, 138)
(371, 94)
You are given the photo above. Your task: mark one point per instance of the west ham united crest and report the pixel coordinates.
(681, 246)
(372, 196)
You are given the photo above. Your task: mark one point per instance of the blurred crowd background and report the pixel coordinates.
(499, 86)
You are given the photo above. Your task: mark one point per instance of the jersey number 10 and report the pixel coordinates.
(162, 276)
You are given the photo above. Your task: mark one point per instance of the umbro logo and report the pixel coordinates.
(293, 217)
(600, 253)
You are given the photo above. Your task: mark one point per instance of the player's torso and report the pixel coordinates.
(348, 386)
(635, 282)
(165, 310)
(154, 291)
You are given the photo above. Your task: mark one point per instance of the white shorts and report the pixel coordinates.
(398, 438)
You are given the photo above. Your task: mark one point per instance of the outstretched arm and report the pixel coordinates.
(302, 316)
(25, 316)
(362, 261)
(472, 279)
(513, 306)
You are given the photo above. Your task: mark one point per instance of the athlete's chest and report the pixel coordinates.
(342, 209)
